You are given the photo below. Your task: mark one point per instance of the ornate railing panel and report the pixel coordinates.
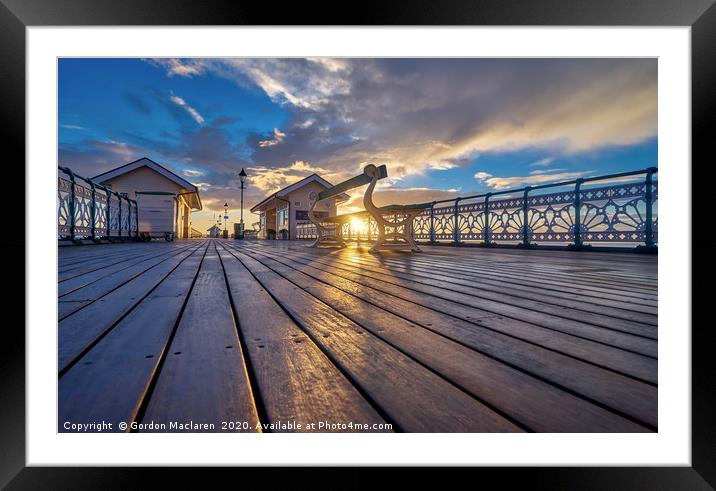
(620, 213)
(86, 210)
(305, 231)
(586, 212)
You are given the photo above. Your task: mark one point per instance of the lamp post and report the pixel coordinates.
(226, 217)
(242, 178)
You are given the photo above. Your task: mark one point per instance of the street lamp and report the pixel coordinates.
(242, 178)
(226, 217)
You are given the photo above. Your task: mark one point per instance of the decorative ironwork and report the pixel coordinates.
(624, 213)
(86, 210)
(611, 214)
(64, 205)
(587, 213)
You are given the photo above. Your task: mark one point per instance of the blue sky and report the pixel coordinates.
(444, 127)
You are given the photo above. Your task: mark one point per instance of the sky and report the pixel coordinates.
(444, 127)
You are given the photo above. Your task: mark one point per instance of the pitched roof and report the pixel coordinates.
(296, 185)
(146, 162)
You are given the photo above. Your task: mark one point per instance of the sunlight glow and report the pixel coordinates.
(358, 226)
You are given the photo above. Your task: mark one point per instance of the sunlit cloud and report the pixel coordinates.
(501, 183)
(481, 176)
(424, 114)
(272, 179)
(278, 138)
(182, 68)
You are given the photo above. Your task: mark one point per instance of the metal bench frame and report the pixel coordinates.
(398, 218)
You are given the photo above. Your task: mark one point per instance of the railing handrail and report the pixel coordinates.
(648, 170)
(89, 181)
(90, 229)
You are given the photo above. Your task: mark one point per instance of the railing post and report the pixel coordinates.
(72, 202)
(486, 226)
(577, 214)
(94, 207)
(525, 226)
(648, 196)
(432, 222)
(456, 227)
(129, 221)
(109, 214)
(119, 216)
(136, 220)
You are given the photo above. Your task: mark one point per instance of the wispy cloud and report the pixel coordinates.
(192, 112)
(542, 162)
(501, 183)
(192, 173)
(72, 127)
(546, 171)
(481, 176)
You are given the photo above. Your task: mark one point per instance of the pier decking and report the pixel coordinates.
(448, 340)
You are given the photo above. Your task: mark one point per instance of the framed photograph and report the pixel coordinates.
(427, 239)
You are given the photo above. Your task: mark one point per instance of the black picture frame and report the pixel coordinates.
(16, 15)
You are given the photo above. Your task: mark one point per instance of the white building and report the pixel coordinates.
(144, 177)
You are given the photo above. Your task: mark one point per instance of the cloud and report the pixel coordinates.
(182, 68)
(278, 137)
(502, 183)
(416, 115)
(72, 127)
(482, 175)
(545, 171)
(442, 165)
(271, 179)
(542, 162)
(192, 112)
(192, 173)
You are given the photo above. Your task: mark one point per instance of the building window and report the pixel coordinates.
(297, 203)
(283, 218)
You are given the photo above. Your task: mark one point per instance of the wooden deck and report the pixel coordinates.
(271, 332)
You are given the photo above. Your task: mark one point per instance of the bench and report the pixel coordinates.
(394, 222)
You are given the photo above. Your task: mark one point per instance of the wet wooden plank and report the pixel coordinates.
(110, 381)
(527, 285)
(81, 280)
(104, 262)
(203, 379)
(530, 301)
(296, 381)
(67, 305)
(412, 396)
(509, 390)
(79, 330)
(537, 315)
(462, 321)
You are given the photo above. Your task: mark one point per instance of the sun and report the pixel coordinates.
(358, 226)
